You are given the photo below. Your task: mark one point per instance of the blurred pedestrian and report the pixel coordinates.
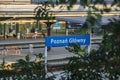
(10, 29)
(92, 31)
(33, 30)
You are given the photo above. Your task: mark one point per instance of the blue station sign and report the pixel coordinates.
(66, 40)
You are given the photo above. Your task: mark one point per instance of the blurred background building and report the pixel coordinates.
(19, 16)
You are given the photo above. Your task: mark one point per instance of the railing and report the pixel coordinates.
(78, 1)
(14, 1)
(22, 42)
(40, 1)
(34, 35)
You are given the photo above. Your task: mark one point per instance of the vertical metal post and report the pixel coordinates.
(17, 31)
(4, 31)
(66, 32)
(89, 46)
(48, 32)
(31, 48)
(45, 58)
(67, 27)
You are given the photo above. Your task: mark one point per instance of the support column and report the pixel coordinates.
(5, 31)
(17, 31)
(48, 33)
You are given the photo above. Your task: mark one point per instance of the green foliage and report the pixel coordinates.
(85, 2)
(41, 13)
(25, 69)
(92, 21)
(116, 2)
(76, 48)
(100, 64)
(62, 1)
(71, 3)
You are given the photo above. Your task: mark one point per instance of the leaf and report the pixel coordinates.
(107, 9)
(27, 58)
(84, 2)
(62, 1)
(20, 63)
(95, 8)
(57, 2)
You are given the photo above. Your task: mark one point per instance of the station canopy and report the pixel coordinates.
(81, 19)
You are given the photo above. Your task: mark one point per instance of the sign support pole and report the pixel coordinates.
(66, 32)
(89, 46)
(45, 56)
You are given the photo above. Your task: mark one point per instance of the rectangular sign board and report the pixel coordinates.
(66, 40)
(56, 25)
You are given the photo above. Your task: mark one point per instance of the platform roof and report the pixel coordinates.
(81, 20)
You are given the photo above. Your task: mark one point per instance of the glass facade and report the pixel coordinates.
(11, 30)
(17, 19)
